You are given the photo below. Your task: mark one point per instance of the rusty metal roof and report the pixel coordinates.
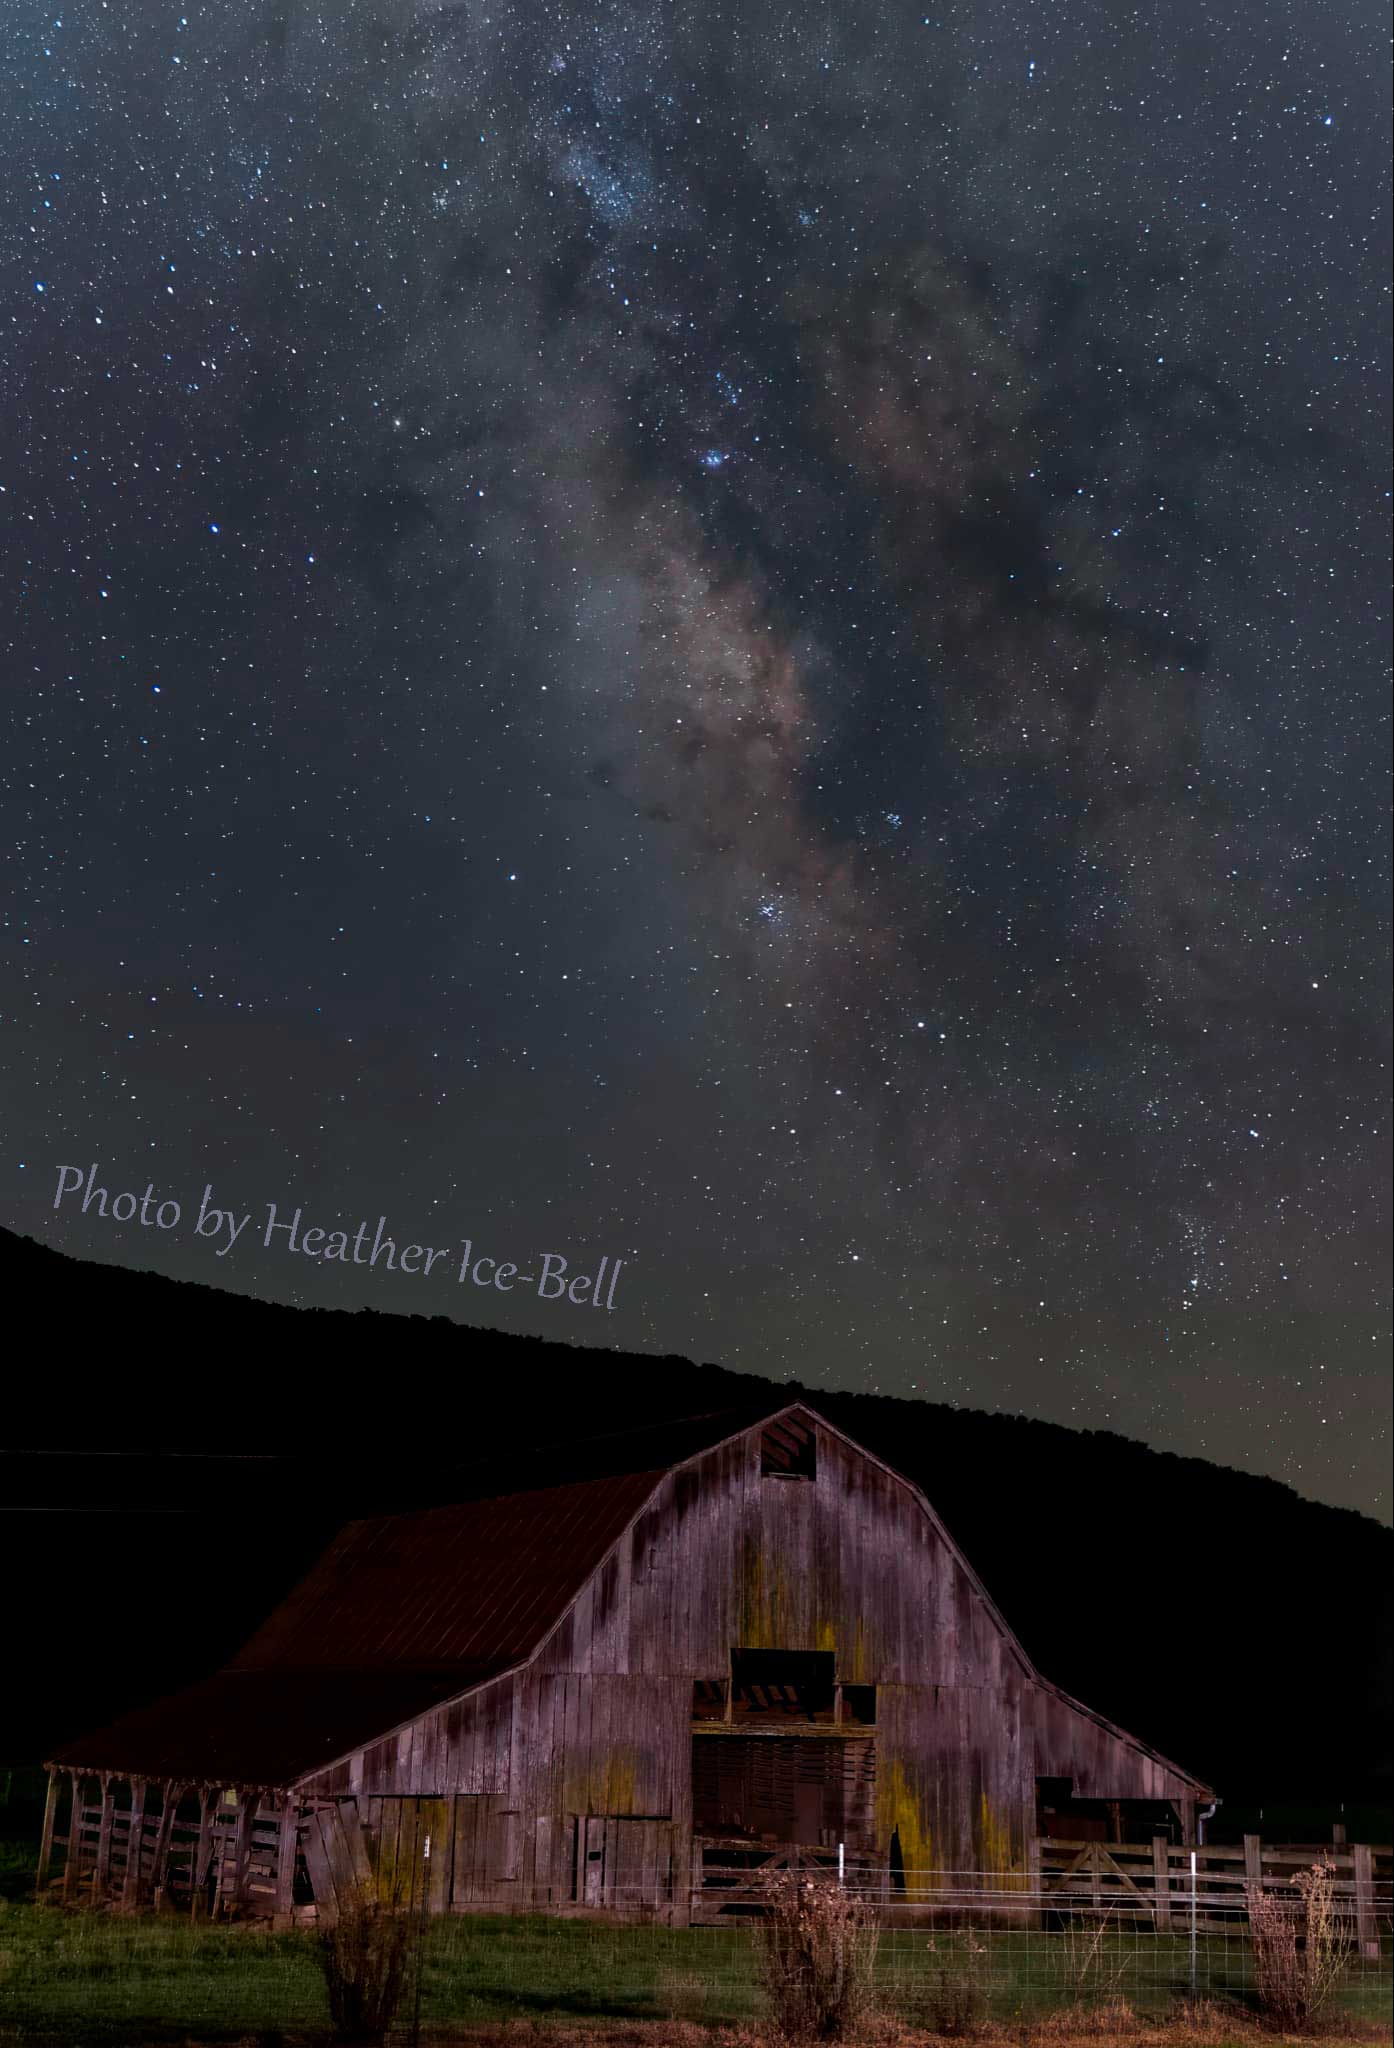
(258, 1727)
(400, 1612)
(477, 1584)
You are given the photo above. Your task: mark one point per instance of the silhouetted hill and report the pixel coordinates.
(1241, 1628)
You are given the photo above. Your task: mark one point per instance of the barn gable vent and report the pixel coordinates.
(789, 1450)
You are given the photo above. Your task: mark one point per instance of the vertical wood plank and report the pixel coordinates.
(287, 1834)
(50, 1821)
(318, 1865)
(173, 1791)
(208, 1846)
(241, 1847)
(135, 1846)
(437, 1859)
(73, 1863)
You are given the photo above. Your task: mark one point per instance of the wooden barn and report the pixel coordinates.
(622, 1694)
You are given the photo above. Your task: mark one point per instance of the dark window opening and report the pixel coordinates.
(709, 1699)
(773, 1685)
(789, 1450)
(859, 1705)
(1063, 1816)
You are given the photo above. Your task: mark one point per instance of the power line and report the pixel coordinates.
(258, 1457)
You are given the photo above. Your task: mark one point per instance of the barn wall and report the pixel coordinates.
(1103, 1765)
(462, 1747)
(724, 1558)
(591, 1742)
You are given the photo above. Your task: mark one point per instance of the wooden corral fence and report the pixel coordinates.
(1168, 1885)
(138, 1844)
(1162, 1885)
(203, 1850)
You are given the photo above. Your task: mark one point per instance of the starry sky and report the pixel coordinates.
(751, 638)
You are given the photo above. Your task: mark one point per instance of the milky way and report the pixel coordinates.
(752, 637)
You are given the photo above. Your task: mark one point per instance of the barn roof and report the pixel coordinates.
(475, 1585)
(259, 1727)
(400, 1612)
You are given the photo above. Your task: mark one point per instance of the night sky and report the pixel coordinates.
(748, 638)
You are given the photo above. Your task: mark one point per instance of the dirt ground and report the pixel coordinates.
(1119, 2027)
(1204, 2028)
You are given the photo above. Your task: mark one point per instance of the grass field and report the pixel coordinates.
(102, 1979)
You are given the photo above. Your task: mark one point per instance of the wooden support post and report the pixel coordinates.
(241, 1849)
(287, 1837)
(135, 1844)
(208, 1839)
(1253, 1860)
(72, 1868)
(1033, 1880)
(1338, 1835)
(1161, 1882)
(173, 1792)
(1366, 1930)
(101, 1874)
(46, 1839)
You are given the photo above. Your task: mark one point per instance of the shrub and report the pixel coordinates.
(1300, 1947)
(818, 1953)
(953, 1998)
(364, 1953)
(1094, 1970)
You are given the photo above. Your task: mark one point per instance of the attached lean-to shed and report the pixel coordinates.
(620, 1694)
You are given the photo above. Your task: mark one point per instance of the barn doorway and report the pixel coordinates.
(781, 1789)
(783, 1774)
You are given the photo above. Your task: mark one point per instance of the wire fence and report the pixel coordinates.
(979, 1951)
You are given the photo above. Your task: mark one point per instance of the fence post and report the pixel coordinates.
(1253, 1860)
(1366, 1932)
(425, 1875)
(1161, 1882)
(1193, 1923)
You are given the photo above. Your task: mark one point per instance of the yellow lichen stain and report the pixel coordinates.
(764, 1600)
(825, 1637)
(900, 1809)
(856, 1658)
(397, 1865)
(603, 1781)
(995, 1847)
(786, 1629)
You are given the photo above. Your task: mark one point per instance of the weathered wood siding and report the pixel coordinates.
(597, 1726)
(465, 1746)
(1071, 1744)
